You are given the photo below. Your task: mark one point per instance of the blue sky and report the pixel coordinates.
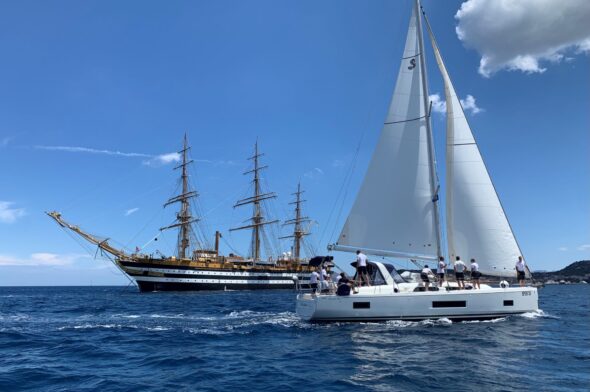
(93, 94)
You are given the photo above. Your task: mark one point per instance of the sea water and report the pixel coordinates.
(117, 339)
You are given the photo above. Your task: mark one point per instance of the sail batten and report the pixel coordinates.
(394, 210)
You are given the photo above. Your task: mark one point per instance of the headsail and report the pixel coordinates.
(394, 213)
(477, 226)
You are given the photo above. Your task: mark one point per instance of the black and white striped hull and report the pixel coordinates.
(151, 277)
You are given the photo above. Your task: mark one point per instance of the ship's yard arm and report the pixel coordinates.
(101, 243)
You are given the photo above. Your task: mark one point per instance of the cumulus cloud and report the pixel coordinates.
(524, 35)
(562, 248)
(131, 211)
(41, 259)
(440, 106)
(584, 247)
(8, 214)
(314, 173)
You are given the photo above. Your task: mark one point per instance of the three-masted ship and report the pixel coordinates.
(194, 268)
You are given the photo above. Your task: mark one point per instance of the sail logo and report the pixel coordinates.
(412, 64)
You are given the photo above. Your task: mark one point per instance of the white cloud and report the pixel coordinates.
(440, 106)
(523, 34)
(92, 151)
(584, 247)
(41, 259)
(4, 141)
(9, 214)
(163, 159)
(314, 173)
(337, 163)
(131, 211)
(469, 105)
(563, 248)
(152, 160)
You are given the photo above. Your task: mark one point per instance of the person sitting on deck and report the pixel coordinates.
(344, 285)
(460, 268)
(425, 276)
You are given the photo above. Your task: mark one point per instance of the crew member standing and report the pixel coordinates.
(460, 268)
(425, 276)
(361, 268)
(313, 281)
(475, 274)
(442, 266)
(520, 274)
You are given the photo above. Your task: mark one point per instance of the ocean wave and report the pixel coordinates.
(539, 313)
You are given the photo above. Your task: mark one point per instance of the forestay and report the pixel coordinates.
(477, 226)
(393, 213)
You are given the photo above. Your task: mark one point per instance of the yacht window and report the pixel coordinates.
(508, 302)
(361, 305)
(449, 304)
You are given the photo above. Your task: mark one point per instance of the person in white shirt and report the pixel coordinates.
(361, 268)
(441, 271)
(313, 281)
(460, 268)
(424, 275)
(475, 274)
(520, 271)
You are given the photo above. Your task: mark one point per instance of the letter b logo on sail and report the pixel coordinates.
(412, 64)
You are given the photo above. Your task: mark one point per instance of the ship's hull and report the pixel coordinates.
(166, 277)
(381, 303)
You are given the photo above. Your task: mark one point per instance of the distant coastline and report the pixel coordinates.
(576, 272)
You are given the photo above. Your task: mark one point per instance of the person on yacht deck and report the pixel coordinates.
(520, 274)
(475, 274)
(424, 275)
(460, 268)
(361, 268)
(313, 281)
(441, 271)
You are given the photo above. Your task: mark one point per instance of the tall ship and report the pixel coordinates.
(195, 267)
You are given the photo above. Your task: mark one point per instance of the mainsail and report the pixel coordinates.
(477, 226)
(394, 213)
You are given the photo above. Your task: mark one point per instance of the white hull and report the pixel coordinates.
(380, 303)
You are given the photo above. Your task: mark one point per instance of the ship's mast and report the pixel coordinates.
(257, 218)
(434, 183)
(184, 217)
(298, 232)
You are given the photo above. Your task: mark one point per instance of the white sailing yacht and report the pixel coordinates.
(396, 213)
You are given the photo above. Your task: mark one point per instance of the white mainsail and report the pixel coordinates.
(394, 213)
(477, 226)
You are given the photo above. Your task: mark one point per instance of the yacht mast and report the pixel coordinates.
(434, 185)
(257, 218)
(298, 232)
(184, 217)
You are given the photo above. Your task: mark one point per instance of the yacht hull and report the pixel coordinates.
(455, 305)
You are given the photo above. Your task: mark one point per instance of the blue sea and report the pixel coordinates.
(116, 339)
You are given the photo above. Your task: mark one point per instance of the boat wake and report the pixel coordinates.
(538, 314)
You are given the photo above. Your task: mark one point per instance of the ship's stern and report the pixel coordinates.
(306, 306)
